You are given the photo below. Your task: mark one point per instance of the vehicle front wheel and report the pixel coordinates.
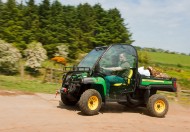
(157, 105)
(90, 102)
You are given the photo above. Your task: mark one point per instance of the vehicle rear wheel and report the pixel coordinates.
(90, 102)
(157, 105)
(66, 100)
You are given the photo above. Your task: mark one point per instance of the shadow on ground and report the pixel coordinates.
(107, 108)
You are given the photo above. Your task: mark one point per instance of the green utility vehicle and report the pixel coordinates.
(86, 85)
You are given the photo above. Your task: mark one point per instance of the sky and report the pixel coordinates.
(161, 24)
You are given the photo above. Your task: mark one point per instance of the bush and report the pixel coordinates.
(62, 51)
(59, 60)
(9, 58)
(143, 57)
(179, 65)
(35, 55)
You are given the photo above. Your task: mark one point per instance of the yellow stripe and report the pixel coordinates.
(118, 84)
(152, 80)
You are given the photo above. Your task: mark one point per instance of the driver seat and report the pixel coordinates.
(128, 79)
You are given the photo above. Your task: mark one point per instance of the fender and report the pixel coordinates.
(94, 81)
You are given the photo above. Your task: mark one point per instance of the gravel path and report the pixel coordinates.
(25, 112)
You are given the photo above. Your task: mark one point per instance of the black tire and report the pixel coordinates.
(66, 101)
(157, 106)
(90, 102)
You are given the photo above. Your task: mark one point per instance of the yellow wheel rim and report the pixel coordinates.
(159, 106)
(93, 102)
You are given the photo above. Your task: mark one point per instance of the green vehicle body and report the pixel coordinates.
(87, 75)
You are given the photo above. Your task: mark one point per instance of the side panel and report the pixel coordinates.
(158, 84)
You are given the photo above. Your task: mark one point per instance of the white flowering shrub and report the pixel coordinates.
(35, 55)
(9, 58)
(62, 51)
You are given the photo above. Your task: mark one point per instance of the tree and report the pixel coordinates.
(57, 21)
(31, 22)
(1, 18)
(87, 23)
(118, 32)
(100, 33)
(12, 23)
(81, 27)
(9, 58)
(44, 35)
(35, 54)
(73, 31)
(44, 13)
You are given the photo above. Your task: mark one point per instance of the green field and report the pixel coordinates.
(173, 59)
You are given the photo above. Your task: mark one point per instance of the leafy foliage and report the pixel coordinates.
(143, 57)
(80, 28)
(9, 57)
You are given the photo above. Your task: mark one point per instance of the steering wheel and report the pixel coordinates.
(99, 71)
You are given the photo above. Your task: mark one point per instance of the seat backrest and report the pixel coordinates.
(129, 76)
(128, 79)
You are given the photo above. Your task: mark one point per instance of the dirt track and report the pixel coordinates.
(42, 113)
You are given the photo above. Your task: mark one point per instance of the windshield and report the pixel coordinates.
(111, 57)
(91, 58)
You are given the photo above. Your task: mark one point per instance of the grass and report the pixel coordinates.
(34, 85)
(172, 59)
(181, 98)
(27, 85)
(182, 75)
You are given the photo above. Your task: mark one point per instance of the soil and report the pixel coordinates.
(29, 112)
